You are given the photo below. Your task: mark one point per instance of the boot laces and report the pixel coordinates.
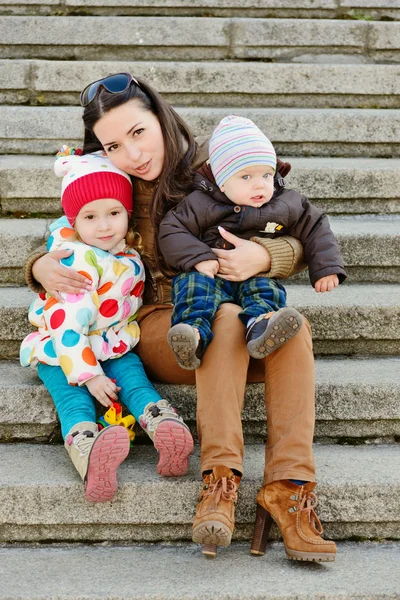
(84, 442)
(157, 412)
(223, 488)
(307, 505)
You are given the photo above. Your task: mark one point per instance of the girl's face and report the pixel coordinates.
(132, 139)
(102, 223)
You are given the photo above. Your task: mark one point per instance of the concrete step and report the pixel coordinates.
(353, 319)
(294, 131)
(356, 400)
(370, 247)
(316, 9)
(195, 38)
(42, 496)
(212, 83)
(366, 571)
(337, 185)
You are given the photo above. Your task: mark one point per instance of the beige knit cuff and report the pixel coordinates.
(30, 261)
(287, 257)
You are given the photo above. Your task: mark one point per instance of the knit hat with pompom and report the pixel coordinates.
(90, 177)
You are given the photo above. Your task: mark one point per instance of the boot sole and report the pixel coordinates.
(108, 451)
(284, 328)
(212, 533)
(310, 556)
(174, 443)
(183, 341)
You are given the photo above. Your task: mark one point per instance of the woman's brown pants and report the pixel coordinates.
(221, 379)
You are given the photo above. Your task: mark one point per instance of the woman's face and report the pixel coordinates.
(132, 139)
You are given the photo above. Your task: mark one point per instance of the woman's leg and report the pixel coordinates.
(290, 404)
(221, 382)
(74, 404)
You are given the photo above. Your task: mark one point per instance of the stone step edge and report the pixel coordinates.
(366, 570)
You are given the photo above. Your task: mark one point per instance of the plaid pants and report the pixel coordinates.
(197, 297)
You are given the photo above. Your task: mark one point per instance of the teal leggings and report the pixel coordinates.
(75, 404)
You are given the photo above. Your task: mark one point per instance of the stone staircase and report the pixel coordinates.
(322, 79)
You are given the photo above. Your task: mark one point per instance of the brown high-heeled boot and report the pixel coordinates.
(291, 506)
(215, 516)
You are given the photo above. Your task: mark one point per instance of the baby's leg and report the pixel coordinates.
(268, 323)
(170, 435)
(95, 455)
(196, 298)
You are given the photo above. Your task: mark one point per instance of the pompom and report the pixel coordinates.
(69, 151)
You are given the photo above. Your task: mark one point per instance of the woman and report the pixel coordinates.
(143, 136)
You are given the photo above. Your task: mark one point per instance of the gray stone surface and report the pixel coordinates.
(332, 132)
(361, 572)
(146, 38)
(359, 318)
(355, 398)
(337, 185)
(42, 489)
(215, 83)
(382, 9)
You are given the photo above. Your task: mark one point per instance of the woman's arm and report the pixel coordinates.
(44, 272)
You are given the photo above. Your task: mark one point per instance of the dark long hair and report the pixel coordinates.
(180, 149)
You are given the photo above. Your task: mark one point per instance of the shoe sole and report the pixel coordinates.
(212, 533)
(108, 451)
(174, 443)
(285, 326)
(310, 556)
(183, 341)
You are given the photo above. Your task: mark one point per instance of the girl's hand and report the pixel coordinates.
(103, 389)
(208, 267)
(56, 278)
(326, 284)
(245, 260)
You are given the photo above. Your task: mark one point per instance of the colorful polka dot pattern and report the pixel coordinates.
(91, 327)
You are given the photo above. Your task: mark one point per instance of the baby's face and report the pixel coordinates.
(253, 186)
(102, 223)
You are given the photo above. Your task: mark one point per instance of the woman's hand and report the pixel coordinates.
(56, 278)
(103, 389)
(245, 260)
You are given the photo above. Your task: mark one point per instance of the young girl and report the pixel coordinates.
(87, 338)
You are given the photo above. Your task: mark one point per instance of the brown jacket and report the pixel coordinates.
(286, 253)
(189, 231)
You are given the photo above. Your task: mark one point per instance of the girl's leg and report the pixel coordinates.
(171, 437)
(96, 456)
(73, 404)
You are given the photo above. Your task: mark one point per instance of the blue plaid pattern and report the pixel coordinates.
(197, 297)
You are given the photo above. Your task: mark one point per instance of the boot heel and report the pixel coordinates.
(209, 550)
(261, 531)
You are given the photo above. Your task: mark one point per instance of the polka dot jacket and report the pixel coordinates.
(90, 327)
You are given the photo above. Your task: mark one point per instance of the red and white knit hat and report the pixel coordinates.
(90, 177)
(238, 143)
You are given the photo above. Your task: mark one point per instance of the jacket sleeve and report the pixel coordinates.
(179, 233)
(287, 256)
(29, 262)
(68, 324)
(321, 250)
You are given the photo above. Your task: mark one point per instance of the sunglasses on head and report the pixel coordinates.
(115, 84)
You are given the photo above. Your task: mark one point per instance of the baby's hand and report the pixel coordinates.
(208, 267)
(326, 284)
(103, 389)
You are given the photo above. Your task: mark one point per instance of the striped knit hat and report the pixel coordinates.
(90, 177)
(238, 143)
